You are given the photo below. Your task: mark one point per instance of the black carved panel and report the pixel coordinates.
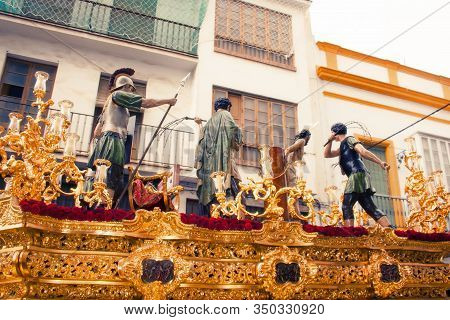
(154, 270)
(390, 273)
(287, 272)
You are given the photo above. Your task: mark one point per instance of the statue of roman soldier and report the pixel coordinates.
(111, 130)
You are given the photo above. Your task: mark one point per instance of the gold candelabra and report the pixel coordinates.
(334, 216)
(33, 171)
(428, 200)
(266, 191)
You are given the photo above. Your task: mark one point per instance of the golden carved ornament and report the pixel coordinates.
(284, 233)
(131, 269)
(267, 271)
(384, 288)
(428, 200)
(33, 168)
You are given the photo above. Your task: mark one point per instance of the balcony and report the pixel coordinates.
(170, 24)
(173, 146)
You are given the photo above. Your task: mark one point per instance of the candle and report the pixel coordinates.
(102, 171)
(66, 106)
(219, 181)
(70, 147)
(8, 184)
(41, 81)
(438, 178)
(56, 124)
(411, 144)
(331, 192)
(265, 161)
(14, 122)
(430, 186)
(415, 162)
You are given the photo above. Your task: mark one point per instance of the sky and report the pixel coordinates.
(366, 25)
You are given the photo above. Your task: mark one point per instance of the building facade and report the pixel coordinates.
(261, 54)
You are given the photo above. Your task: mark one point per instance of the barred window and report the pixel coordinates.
(436, 153)
(253, 32)
(263, 121)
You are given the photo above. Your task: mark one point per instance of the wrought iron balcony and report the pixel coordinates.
(169, 24)
(173, 146)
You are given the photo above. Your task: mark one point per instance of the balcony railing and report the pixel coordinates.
(172, 24)
(391, 205)
(173, 146)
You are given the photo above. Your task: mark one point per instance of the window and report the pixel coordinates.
(17, 84)
(436, 153)
(252, 32)
(262, 120)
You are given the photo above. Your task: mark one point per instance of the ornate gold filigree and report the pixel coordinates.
(267, 271)
(70, 266)
(34, 171)
(428, 200)
(218, 294)
(131, 269)
(384, 288)
(82, 291)
(220, 273)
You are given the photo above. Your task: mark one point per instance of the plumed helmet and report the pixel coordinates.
(121, 78)
(339, 128)
(122, 81)
(222, 103)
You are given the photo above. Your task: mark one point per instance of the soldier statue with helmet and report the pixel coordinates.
(111, 130)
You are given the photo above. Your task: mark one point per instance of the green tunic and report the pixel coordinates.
(358, 182)
(214, 153)
(111, 144)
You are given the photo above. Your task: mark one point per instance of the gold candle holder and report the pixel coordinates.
(438, 178)
(56, 124)
(65, 107)
(219, 181)
(411, 145)
(101, 172)
(40, 87)
(70, 147)
(265, 162)
(430, 186)
(14, 122)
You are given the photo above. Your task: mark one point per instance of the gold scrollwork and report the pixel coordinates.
(381, 287)
(130, 269)
(267, 271)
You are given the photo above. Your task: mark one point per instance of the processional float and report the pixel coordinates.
(52, 252)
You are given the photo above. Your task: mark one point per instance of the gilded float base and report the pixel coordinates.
(46, 258)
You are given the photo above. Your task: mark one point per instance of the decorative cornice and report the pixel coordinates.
(329, 47)
(382, 106)
(388, 89)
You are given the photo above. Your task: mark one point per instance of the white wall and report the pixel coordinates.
(420, 84)
(362, 69)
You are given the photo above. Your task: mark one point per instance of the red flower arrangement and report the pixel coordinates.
(220, 223)
(336, 231)
(414, 235)
(74, 213)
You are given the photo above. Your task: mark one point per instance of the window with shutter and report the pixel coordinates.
(17, 84)
(253, 32)
(435, 152)
(263, 121)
